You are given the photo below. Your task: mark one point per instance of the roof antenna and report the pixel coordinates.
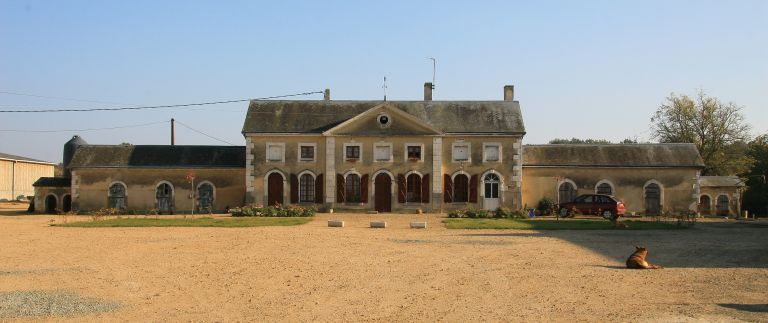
(433, 71)
(384, 86)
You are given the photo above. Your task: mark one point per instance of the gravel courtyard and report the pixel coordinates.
(715, 272)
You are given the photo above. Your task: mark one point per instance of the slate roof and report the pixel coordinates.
(720, 181)
(482, 117)
(53, 182)
(21, 158)
(613, 155)
(158, 156)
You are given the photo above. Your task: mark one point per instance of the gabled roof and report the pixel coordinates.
(366, 123)
(720, 181)
(612, 155)
(158, 156)
(315, 117)
(22, 159)
(53, 182)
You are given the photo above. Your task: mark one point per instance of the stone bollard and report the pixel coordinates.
(379, 224)
(418, 225)
(336, 223)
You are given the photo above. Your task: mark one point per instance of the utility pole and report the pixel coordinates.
(173, 131)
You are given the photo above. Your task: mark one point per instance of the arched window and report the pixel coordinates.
(722, 205)
(705, 205)
(413, 188)
(353, 188)
(491, 189)
(605, 188)
(306, 188)
(567, 192)
(653, 199)
(117, 194)
(205, 197)
(461, 188)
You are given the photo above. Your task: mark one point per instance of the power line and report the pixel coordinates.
(62, 98)
(160, 106)
(88, 129)
(204, 134)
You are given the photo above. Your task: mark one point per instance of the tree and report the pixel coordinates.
(717, 129)
(755, 198)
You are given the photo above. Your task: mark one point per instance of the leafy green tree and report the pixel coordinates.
(755, 198)
(717, 129)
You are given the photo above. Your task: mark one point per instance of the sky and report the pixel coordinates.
(585, 69)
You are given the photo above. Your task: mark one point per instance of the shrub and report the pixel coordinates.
(457, 214)
(501, 212)
(272, 211)
(545, 206)
(476, 213)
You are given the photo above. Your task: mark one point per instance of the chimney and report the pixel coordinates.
(428, 87)
(509, 92)
(327, 95)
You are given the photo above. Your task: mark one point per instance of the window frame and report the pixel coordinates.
(360, 152)
(383, 144)
(348, 187)
(282, 152)
(492, 144)
(314, 152)
(412, 144)
(307, 194)
(469, 152)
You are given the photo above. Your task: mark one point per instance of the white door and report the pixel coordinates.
(491, 192)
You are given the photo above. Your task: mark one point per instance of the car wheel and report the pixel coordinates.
(608, 215)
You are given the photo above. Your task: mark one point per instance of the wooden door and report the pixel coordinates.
(164, 198)
(652, 199)
(275, 189)
(50, 204)
(383, 193)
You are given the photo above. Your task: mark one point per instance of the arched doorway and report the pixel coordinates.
(275, 189)
(117, 196)
(66, 203)
(383, 193)
(491, 192)
(653, 199)
(205, 197)
(705, 205)
(164, 198)
(50, 204)
(604, 188)
(567, 192)
(723, 207)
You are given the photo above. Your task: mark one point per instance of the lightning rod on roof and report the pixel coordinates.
(434, 65)
(384, 86)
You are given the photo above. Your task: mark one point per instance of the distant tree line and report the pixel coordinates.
(590, 141)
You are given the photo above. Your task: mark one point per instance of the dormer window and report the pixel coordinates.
(384, 120)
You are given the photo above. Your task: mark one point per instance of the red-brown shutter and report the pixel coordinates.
(473, 189)
(340, 188)
(294, 188)
(319, 184)
(447, 189)
(364, 188)
(401, 188)
(425, 189)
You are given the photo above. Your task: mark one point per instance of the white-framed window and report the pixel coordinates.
(414, 152)
(307, 152)
(460, 151)
(492, 152)
(382, 152)
(353, 152)
(275, 152)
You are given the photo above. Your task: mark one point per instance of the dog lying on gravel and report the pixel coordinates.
(637, 260)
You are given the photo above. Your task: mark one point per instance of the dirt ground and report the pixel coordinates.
(715, 272)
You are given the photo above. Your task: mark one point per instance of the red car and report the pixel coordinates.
(598, 204)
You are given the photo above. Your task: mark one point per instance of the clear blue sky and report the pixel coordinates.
(588, 69)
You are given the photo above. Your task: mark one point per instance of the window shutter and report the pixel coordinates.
(425, 189)
(364, 189)
(473, 189)
(319, 184)
(401, 188)
(447, 189)
(340, 188)
(294, 188)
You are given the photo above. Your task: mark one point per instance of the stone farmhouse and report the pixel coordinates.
(385, 156)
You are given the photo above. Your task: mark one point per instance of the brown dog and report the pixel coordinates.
(637, 260)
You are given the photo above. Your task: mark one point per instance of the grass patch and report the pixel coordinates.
(180, 222)
(564, 224)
